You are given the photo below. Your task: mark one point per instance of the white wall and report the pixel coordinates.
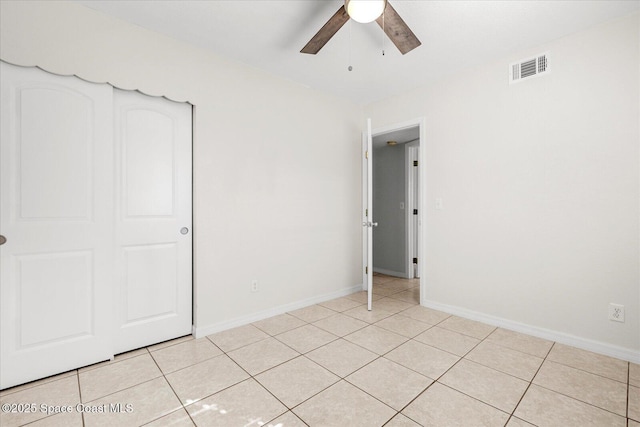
(276, 165)
(540, 187)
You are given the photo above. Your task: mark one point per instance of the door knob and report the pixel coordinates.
(184, 230)
(3, 240)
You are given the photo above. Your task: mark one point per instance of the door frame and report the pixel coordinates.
(412, 229)
(422, 197)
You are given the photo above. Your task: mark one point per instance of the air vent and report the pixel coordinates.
(530, 67)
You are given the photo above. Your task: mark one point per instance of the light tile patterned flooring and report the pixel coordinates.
(337, 364)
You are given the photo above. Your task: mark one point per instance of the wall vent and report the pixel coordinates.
(530, 67)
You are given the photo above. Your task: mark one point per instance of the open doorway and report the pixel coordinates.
(396, 195)
(395, 182)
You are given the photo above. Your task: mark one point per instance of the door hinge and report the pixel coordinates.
(366, 154)
(415, 211)
(415, 260)
(415, 163)
(366, 270)
(366, 213)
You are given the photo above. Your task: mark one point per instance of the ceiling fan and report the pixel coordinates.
(366, 11)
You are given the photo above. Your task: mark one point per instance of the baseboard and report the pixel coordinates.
(548, 334)
(202, 331)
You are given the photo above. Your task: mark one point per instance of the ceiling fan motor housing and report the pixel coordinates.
(365, 11)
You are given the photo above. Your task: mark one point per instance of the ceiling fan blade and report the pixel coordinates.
(326, 32)
(397, 30)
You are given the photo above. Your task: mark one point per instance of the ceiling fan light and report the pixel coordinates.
(365, 11)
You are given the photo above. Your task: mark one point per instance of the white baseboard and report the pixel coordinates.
(548, 334)
(202, 331)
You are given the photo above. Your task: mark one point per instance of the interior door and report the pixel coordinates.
(154, 215)
(367, 223)
(56, 153)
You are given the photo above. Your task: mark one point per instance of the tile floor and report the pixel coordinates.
(337, 364)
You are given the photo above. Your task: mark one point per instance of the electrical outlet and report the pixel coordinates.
(616, 312)
(254, 286)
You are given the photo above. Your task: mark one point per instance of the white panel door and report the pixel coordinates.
(153, 204)
(56, 212)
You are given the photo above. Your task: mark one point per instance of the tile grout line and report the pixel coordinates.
(183, 407)
(562, 394)
(109, 362)
(31, 384)
(168, 343)
(252, 377)
(445, 372)
(242, 346)
(581, 370)
(382, 355)
(530, 383)
(406, 367)
(581, 401)
(340, 378)
(135, 385)
(130, 387)
(290, 409)
(463, 358)
(84, 423)
(49, 382)
(589, 372)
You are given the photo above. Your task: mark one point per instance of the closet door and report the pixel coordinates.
(153, 225)
(56, 212)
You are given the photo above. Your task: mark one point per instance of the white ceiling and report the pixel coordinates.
(268, 35)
